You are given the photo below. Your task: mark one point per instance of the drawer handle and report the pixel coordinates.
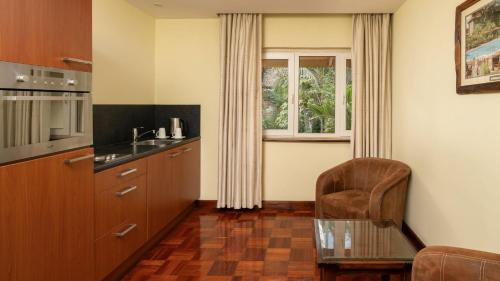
(126, 173)
(175, 154)
(126, 191)
(187, 149)
(78, 159)
(126, 231)
(75, 60)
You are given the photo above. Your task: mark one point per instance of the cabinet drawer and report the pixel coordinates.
(114, 176)
(118, 204)
(117, 246)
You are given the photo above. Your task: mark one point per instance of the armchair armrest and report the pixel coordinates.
(432, 263)
(387, 200)
(326, 184)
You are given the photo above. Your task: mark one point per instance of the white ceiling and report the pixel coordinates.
(210, 8)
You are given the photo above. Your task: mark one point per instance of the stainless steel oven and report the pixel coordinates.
(43, 110)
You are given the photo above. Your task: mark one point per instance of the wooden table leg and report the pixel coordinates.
(407, 273)
(328, 274)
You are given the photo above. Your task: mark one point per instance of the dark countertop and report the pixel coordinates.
(132, 152)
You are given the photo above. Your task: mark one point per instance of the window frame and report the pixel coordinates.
(293, 57)
(291, 85)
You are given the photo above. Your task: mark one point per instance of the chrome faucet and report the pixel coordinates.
(136, 136)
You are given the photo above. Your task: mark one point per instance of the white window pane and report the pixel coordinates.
(316, 95)
(275, 94)
(349, 95)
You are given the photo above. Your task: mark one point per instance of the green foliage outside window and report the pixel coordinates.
(317, 100)
(348, 97)
(275, 97)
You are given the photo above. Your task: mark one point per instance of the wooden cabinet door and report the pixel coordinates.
(190, 173)
(74, 33)
(47, 219)
(161, 195)
(176, 157)
(182, 181)
(43, 32)
(173, 184)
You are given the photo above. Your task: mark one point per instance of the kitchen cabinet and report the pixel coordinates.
(47, 218)
(157, 188)
(120, 203)
(174, 184)
(45, 32)
(121, 214)
(190, 174)
(162, 203)
(120, 174)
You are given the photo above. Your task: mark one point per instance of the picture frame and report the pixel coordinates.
(477, 47)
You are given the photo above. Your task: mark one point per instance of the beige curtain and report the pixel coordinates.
(372, 59)
(240, 125)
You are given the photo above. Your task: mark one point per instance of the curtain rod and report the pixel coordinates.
(222, 14)
(304, 14)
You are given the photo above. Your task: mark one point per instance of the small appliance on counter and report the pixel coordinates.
(177, 128)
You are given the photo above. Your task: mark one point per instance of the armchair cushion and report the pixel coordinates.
(346, 204)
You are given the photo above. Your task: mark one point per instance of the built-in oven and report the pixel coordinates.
(43, 110)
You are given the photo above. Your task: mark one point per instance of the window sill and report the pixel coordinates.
(305, 139)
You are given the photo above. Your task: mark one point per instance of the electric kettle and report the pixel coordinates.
(176, 123)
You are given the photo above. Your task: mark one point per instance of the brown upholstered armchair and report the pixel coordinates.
(446, 263)
(363, 188)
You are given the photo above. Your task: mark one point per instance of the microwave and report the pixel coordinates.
(43, 111)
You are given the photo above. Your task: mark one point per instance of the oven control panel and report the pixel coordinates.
(30, 77)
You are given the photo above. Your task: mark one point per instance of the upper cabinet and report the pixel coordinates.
(53, 33)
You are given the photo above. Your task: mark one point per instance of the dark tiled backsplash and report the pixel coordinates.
(114, 123)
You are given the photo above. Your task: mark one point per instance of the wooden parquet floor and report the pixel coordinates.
(228, 245)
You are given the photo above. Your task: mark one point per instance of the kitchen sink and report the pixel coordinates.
(155, 142)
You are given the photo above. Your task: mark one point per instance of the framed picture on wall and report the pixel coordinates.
(477, 47)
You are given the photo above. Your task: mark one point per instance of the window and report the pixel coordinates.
(307, 94)
(348, 95)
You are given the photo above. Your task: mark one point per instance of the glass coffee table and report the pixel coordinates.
(362, 246)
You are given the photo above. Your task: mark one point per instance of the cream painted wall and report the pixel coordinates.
(187, 72)
(306, 31)
(123, 54)
(291, 169)
(450, 141)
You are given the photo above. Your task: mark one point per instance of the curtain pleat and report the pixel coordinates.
(372, 91)
(240, 123)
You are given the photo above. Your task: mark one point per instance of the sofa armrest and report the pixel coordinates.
(438, 262)
(387, 200)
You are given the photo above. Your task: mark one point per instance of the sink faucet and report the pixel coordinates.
(135, 132)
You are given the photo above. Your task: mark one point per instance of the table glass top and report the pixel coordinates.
(355, 240)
